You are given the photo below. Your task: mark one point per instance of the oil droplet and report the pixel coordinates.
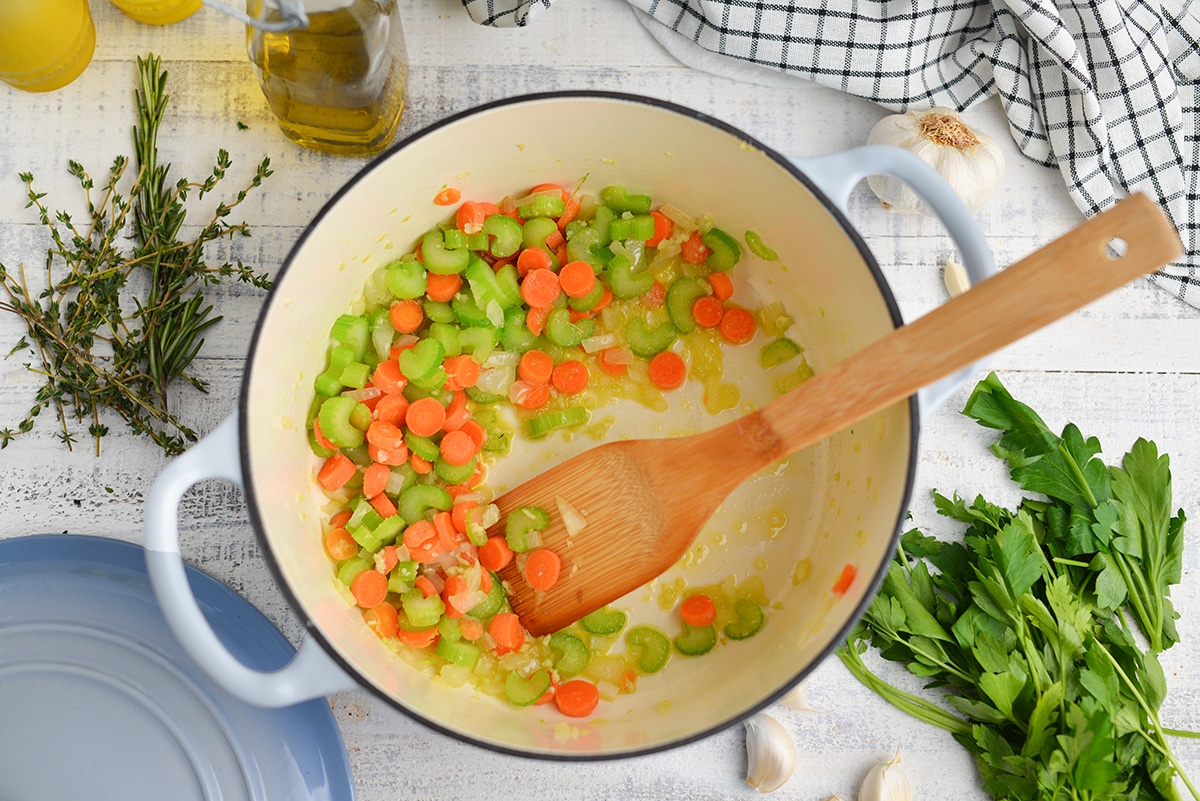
(860, 538)
(663, 706)
(802, 571)
(761, 564)
(669, 595)
(857, 446)
(699, 553)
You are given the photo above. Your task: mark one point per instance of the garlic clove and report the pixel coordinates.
(770, 753)
(887, 781)
(954, 275)
(798, 698)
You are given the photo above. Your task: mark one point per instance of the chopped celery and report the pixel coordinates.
(571, 656)
(525, 692)
(440, 259)
(454, 473)
(418, 499)
(651, 647)
(696, 640)
(625, 281)
(516, 336)
(619, 200)
(750, 620)
(521, 522)
(508, 281)
(387, 531)
(350, 568)
(645, 342)
(334, 418)
(437, 311)
(507, 233)
(778, 351)
(353, 332)
(422, 612)
(542, 424)
(725, 250)
(641, 227)
(536, 231)
(479, 342)
(468, 312)
(682, 293)
(454, 238)
(588, 301)
(542, 207)
(604, 621)
(621, 229)
(329, 383)
(755, 243)
(356, 374)
(422, 360)
(366, 539)
(493, 603)
(406, 279)
(460, 652)
(447, 335)
(485, 287)
(360, 417)
(566, 334)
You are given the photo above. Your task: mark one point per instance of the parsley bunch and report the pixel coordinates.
(1030, 626)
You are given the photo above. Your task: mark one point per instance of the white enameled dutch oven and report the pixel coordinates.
(794, 527)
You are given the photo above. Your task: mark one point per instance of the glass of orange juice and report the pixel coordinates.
(44, 44)
(158, 12)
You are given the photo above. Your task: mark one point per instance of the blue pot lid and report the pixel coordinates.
(100, 702)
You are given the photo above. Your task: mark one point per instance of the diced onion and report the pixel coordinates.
(495, 314)
(436, 579)
(533, 539)
(683, 220)
(497, 380)
(503, 358)
(598, 342)
(619, 354)
(572, 518)
(406, 341)
(517, 391)
(522, 201)
(395, 483)
(364, 394)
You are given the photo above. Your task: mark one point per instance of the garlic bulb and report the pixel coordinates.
(886, 782)
(971, 162)
(770, 753)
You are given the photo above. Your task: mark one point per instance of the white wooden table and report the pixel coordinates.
(1125, 367)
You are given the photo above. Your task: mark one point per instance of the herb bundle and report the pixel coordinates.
(1028, 624)
(101, 345)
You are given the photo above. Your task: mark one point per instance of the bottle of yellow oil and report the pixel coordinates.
(336, 84)
(44, 44)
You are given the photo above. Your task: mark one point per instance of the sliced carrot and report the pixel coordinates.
(476, 432)
(577, 698)
(570, 211)
(555, 240)
(447, 197)
(442, 288)
(375, 479)
(506, 630)
(369, 588)
(534, 258)
(570, 377)
(341, 518)
(388, 378)
(383, 504)
(458, 514)
(722, 285)
(536, 396)
(485, 581)
(540, 287)
(457, 448)
(542, 568)
(698, 610)
(421, 466)
(340, 544)
(535, 367)
(421, 539)
(425, 417)
(667, 370)
(406, 316)
(471, 214)
(737, 326)
(320, 438)
(693, 249)
(462, 371)
(391, 409)
(577, 278)
(708, 311)
(337, 470)
(535, 319)
(548, 696)
(385, 435)
(605, 301)
(663, 226)
(457, 413)
(495, 553)
(391, 558)
(546, 187)
(383, 619)
(419, 638)
(844, 580)
(657, 295)
(614, 369)
(453, 594)
(628, 682)
(471, 629)
(426, 587)
(443, 523)
(392, 458)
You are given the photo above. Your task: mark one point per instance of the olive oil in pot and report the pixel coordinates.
(338, 84)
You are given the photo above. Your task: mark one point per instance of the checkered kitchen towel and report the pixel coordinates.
(1106, 90)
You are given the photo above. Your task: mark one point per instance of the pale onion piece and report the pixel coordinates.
(490, 515)
(521, 201)
(402, 554)
(364, 394)
(636, 248)
(533, 539)
(887, 781)
(406, 341)
(572, 518)
(502, 358)
(680, 218)
(619, 249)
(517, 391)
(435, 578)
(598, 342)
(395, 483)
(472, 599)
(380, 561)
(970, 161)
(496, 380)
(494, 313)
(470, 497)
(619, 354)
(954, 275)
(770, 753)
(608, 690)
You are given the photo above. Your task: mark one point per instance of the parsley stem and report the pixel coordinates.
(906, 702)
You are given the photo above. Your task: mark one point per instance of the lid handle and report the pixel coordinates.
(292, 11)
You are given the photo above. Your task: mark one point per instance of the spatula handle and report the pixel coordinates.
(1054, 281)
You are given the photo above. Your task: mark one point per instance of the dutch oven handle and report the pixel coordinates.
(311, 672)
(839, 173)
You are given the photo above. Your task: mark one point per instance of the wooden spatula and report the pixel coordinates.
(653, 496)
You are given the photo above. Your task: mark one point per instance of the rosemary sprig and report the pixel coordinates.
(99, 344)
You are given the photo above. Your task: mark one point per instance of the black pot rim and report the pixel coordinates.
(251, 493)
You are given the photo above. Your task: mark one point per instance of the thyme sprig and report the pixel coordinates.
(102, 341)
